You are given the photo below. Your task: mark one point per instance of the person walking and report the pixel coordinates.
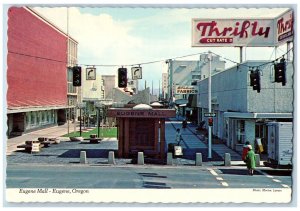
(250, 160)
(245, 150)
(178, 136)
(184, 124)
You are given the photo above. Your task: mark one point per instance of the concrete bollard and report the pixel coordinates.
(198, 159)
(141, 158)
(257, 160)
(227, 160)
(170, 158)
(111, 157)
(83, 159)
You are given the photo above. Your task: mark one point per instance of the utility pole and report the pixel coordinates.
(209, 103)
(158, 90)
(152, 87)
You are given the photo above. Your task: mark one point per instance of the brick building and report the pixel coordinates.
(37, 72)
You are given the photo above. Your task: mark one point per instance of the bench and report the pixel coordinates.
(26, 146)
(31, 146)
(45, 143)
(93, 140)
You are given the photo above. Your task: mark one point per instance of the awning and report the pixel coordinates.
(28, 109)
(181, 101)
(258, 115)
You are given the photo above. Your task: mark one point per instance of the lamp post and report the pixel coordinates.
(80, 106)
(209, 103)
(99, 106)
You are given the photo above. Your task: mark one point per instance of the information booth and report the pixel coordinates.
(141, 129)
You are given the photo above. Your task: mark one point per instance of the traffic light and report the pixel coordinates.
(210, 121)
(280, 70)
(255, 80)
(76, 76)
(122, 77)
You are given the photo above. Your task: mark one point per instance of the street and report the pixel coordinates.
(134, 177)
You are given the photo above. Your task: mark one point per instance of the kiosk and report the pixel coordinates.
(141, 129)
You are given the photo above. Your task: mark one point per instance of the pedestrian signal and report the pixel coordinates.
(210, 121)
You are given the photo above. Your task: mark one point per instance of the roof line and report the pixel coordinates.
(31, 10)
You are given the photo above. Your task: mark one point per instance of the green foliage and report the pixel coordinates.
(104, 133)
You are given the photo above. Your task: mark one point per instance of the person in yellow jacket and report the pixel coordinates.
(250, 160)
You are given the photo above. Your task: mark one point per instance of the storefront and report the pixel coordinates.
(242, 127)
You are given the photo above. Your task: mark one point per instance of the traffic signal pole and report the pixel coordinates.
(209, 103)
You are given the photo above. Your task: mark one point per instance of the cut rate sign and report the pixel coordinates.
(232, 32)
(243, 32)
(186, 90)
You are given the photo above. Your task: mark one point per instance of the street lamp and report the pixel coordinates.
(80, 106)
(209, 104)
(99, 106)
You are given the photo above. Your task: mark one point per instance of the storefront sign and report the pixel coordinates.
(284, 25)
(232, 32)
(186, 90)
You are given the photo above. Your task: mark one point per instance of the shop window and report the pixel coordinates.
(38, 117)
(33, 118)
(240, 133)
(28, 121)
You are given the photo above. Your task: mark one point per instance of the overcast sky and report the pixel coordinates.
(124, 36)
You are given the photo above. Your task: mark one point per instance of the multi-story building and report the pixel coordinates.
(132, 86)
(72, 92)
(242, 113)
(187, 73)
(109, 83)
(164, 85)
(37, 72)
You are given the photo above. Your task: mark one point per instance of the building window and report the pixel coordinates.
(28, 121)
(240, 131)
(33, 118)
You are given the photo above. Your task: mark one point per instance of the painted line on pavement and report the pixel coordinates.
(212, 172)
(225, 184)
(285, 186)
(274, 180)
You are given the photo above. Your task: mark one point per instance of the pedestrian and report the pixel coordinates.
(178, 138)
(184, 124)
(250, 160)
(245, 150)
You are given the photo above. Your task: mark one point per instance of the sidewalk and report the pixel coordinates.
(194, 143)
(51, 132)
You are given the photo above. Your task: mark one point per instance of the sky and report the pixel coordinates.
(124, 36)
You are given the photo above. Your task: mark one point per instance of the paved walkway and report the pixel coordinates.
(193, 142)
(51, 132)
